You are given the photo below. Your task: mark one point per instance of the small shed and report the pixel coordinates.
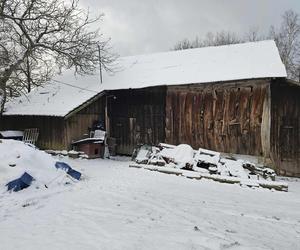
(233, 99)
(62, 113)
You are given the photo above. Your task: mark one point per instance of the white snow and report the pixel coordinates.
(203, 65)
(117, 207)
(207, 156)
(95, 140)
(54, 99)
(217, 166)
(143, 155)
(12, 133)
(17, 158)
(235, 168)
(181, 154)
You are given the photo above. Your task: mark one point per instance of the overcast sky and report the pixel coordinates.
(146, 26)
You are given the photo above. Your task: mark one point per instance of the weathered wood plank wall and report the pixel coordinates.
(51, 129)
(76, 126)
(137, 117)
(285, 128)
(226, 117)
(56, 132)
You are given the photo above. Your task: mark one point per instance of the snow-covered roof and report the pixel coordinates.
(11, 133)
(55, 98)
(212, 64)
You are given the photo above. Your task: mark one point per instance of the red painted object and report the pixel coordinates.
(91, 147)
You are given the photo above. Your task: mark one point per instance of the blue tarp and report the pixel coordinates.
(70, 171)
(62, 165)
(26, 179)
(18, 184)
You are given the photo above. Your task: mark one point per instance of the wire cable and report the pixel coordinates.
(68, 84)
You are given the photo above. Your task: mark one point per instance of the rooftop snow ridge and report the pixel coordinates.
(202, 65)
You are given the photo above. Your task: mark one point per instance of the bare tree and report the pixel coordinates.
(184, 44)
(287, 38)
(38, 37)
(253, 35)
(211, 39)
(30, 74)
(221, 38)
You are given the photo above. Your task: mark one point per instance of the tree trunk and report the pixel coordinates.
(4, 79)
(28, 75)
(2, 94)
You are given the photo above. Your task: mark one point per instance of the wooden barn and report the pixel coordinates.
(63, 113)
(251, 117)
(233, 99)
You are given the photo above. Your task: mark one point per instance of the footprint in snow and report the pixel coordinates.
(275, 218)
(29, 203)
(231, 231)
(230, 245)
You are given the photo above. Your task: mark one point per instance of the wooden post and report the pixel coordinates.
(106, 114)
(100, 63)
(106, 117)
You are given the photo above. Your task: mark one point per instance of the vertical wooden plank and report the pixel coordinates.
(285, 127)
(142, 115)
(223, 116)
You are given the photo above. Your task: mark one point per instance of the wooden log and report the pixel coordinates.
(170, 171)
(222, 179)
(135, 166)
(279, 186)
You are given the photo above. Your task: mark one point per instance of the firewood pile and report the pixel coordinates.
(203, 163)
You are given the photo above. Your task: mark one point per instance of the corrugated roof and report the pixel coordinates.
(203, 65)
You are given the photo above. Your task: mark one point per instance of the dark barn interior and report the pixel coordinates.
(137, 116)
(285, 127)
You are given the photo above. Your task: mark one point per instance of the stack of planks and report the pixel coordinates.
(205, 164)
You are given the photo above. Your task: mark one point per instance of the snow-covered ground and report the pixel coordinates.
(117, 207)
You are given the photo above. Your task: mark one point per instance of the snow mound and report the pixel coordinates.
(17, 158)
(182, 154)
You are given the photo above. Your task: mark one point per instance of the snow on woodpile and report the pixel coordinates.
(203, 163)
(182, 155)
(18, 158)
(202, 65)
